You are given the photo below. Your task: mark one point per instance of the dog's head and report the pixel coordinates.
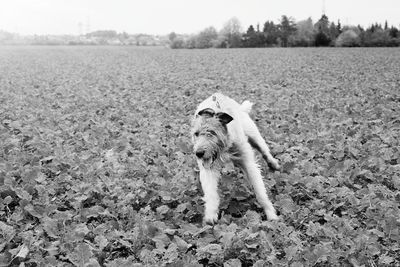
(210, 135)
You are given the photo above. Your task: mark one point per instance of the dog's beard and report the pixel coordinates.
(211, 161)
(217, 159)
(207, 163)
(215, 154)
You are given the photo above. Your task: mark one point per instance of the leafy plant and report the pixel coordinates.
(96, 167)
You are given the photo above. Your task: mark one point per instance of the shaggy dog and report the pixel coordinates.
(222, 130)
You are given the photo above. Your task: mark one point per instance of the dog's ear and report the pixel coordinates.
(223, 118)
(207, 112)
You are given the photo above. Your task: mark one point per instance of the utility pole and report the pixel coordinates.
(80, 28)
(87, 24)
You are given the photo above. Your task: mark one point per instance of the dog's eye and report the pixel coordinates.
(196, 134)
(209, 135)
(212, 133)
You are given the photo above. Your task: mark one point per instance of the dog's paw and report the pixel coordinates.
(271, 215)
(211, 218)
(274, 164)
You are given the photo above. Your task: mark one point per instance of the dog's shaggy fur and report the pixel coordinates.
(222, 130)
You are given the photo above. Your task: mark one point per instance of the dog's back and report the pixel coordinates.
(219, 102)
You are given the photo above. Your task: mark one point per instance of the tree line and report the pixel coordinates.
(99, 37)
(288, 33)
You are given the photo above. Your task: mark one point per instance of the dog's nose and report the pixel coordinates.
(200, 153)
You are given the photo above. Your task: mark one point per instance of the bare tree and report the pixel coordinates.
(206, 38)
(232, 31)
(304, 35)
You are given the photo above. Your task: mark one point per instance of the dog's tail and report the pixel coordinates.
(246, 106)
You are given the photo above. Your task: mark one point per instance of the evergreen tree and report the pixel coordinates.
(251, 30)
(286, 28)
(339, 27)
(271, 33)
(393, 32)
(249, 39)
(394, 36)
(253, 38)
(322, 38)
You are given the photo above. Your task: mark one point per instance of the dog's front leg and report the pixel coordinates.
(209, 182)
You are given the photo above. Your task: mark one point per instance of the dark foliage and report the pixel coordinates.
(254, 38)
(271, 33)
(287, 27)
(322, 39)
(289, 33)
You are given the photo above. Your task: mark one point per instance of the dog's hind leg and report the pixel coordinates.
(253, 173)
(258, 142)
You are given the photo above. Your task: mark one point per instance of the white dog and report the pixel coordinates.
(222, 130)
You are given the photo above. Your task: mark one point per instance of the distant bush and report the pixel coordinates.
(206, 38)
(177, 43)
(220, 42)
(394, 42)
(106, 34)
(348, 38)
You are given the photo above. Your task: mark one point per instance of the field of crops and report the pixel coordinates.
(96, 165)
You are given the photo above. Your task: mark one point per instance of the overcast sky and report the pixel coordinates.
(181, 16)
